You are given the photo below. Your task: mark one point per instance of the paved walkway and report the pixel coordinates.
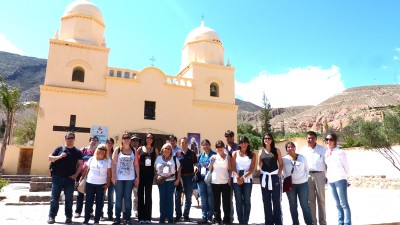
(368, 206)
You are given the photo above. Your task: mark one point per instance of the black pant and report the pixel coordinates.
(224, 190)
(144, 199)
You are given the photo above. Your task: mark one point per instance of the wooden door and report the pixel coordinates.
(25, 161)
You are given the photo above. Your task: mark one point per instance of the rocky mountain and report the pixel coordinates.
(27, 73)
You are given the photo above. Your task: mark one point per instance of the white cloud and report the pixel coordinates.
(397, 49)
(7, 46)
(299, 86)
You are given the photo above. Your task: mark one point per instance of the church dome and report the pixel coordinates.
(83, 8)
(202, 33)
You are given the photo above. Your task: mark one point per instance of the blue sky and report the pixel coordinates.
(297, 52)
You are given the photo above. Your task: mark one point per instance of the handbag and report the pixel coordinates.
(82, 183)
(207, 179)
(161, 181)
(287, 184)
(287, 181)
(82, 186)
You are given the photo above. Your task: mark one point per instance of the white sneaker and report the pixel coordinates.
(77, 215)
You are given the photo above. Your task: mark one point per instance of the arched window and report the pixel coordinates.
(214, 90)
(78, 74)
(111, 73)
(126, 75)
(119, 73)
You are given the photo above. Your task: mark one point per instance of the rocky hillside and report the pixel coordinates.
(27, 73)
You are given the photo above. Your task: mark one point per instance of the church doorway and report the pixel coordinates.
(25, 161)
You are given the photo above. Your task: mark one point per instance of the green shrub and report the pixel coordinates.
(3, 183)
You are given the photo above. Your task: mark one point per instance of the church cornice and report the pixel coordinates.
(207, 65)
(199, 41)
(214, 105)
(101, 23)
(78, 45)
(47, 88)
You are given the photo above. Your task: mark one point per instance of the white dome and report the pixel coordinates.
(84, 8)
(202, 33)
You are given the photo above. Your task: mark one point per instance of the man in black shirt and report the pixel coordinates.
(67, 165)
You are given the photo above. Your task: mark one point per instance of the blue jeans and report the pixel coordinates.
(123, 190)
(94, 191)
(272, 201)
(110, 200)
(57, 185)
(207, 203)
(166, 191)
(302, 191)
(339, 191)
(187, 182)
(242, 199)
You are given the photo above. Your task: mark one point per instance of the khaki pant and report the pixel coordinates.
(316, 183)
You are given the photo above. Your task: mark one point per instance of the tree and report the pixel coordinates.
(10, 102)
(265, 115)
(25, 130)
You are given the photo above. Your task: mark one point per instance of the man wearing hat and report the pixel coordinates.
(135, 144)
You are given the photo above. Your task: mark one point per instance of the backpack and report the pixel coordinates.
(52, 166)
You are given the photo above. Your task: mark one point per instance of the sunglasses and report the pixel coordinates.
(220, 146)
(70, 138)
(124, 138)
(267, 138)
(329, 139)
(135, 140)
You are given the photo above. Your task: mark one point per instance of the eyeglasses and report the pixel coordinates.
(126, 137)
(70, 138)
(329, 139)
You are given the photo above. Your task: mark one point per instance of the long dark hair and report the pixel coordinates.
(152, 137)
(249, 152)
(273, 148)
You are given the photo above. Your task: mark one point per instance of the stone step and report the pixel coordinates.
(18, 178)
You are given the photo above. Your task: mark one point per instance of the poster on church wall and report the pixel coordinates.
(194, 142)
(101, 132)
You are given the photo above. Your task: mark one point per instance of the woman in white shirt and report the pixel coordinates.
(220, 183)
(243, 162)
(124, 176)
(337, 173)
(167, 170)
(296, 165)
(98, 179)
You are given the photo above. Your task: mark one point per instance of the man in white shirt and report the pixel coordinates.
(315, 155)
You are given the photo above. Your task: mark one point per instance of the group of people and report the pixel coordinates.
(310, 169)
(131, 169)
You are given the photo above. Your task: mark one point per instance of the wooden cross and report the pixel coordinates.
(71, 127)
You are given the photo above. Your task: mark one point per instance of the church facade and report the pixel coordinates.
(82, 93)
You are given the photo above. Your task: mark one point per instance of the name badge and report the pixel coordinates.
(165, 169)
(203, 170)
(147, 162)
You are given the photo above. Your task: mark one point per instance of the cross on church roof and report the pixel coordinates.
(152, 59)
(71, 127)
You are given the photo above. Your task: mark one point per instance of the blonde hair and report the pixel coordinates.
(101, 146)
(166, 145)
